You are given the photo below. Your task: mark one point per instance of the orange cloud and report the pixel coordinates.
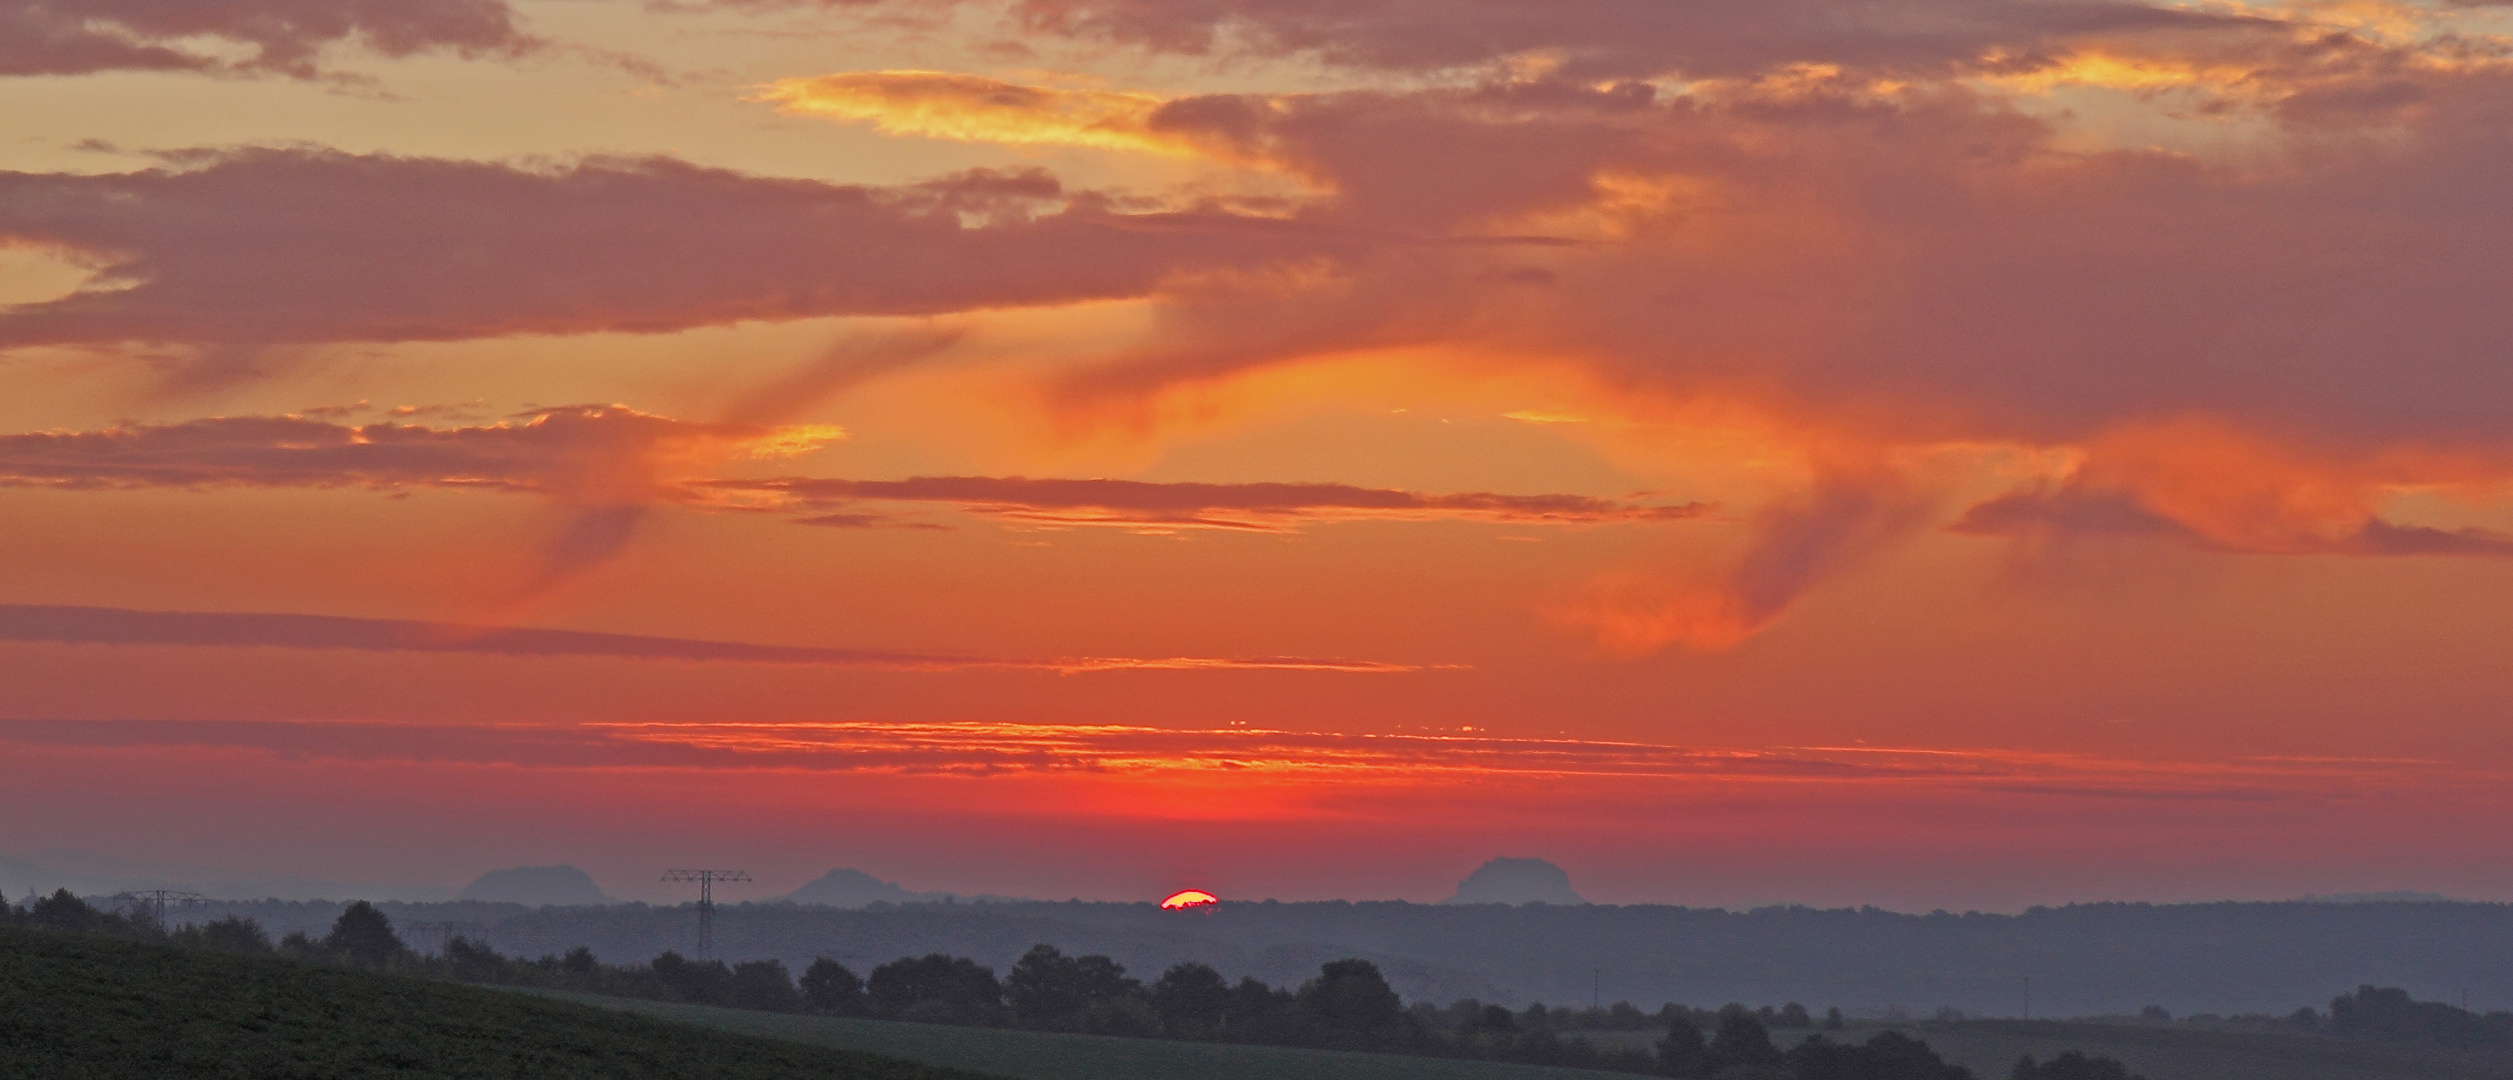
(2218, 488)
(1260, 507)
(973, 108)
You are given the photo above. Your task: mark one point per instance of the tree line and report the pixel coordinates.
(1347, 1006)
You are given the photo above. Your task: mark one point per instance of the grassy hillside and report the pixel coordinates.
(82, 1007)
(1033, 1055)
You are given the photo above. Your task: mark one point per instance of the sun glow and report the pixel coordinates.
(1189, 898)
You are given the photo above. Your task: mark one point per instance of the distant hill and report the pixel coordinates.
(1516, 881)
(534, 886)
(848, 888)
(80, 1006)
(2399, 896)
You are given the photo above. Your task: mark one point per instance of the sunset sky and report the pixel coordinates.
(1964, 453)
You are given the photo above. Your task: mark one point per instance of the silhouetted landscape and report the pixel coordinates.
(2081, 960)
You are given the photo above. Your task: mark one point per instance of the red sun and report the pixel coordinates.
(1189, 898)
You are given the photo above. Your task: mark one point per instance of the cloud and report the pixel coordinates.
(1238, 756)
(606, 465)
(2215, 488)
(2071, 512)
(1263, 507)
(973, 108)
(1796, 542)
(122, 627)
(586, 454)
(279, 246)
(284, 37)
(602, 465)
(1589, 39)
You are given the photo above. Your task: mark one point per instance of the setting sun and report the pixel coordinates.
(1189, 898)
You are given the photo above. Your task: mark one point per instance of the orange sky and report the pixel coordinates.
(1959, 452)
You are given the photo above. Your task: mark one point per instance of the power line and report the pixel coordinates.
(156, 901)
(706, 880)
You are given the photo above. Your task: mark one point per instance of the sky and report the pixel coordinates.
(1930, 453)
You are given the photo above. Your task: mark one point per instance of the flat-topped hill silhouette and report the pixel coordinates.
(534, 886)
(1516, 881)
(851, 888)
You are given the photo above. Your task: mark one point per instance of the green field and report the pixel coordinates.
(1034, 1055)
(2181, 1052)
(2162, 1051)
(93, 1008)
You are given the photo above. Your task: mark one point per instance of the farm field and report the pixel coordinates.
(1033, 1055)
(78, 1007)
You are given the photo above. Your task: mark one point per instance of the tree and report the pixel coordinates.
(1191, 1000)
(1351, 998)
(765, 985)
(1742, 1043)
(1793, 1015)
(581, 970)
(363, 936)
(64, 911)
(471, 961)
(702, 982)
(829, 987)
(233, 934)
(1045, 989)
(936, 989)
(1832, 1018)
(1682, 1053)
(2073, 1065)
(1891, 1055)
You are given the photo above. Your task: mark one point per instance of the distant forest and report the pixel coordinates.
(1348, 1005)
(2080, 960)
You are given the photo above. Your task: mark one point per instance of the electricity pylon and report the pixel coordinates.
(156, 901)
(706, 880)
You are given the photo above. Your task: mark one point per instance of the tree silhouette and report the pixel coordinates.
(1191, 1000)
(829, 987)
(1351, 996)
(765, 985)
(1682, 1052)
(2073, 1065)
(363, 936)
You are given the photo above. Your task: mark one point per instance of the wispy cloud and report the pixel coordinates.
(123, 627)
(1264, 507)
(1244, 755)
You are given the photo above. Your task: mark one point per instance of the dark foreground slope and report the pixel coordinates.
(78, 1007)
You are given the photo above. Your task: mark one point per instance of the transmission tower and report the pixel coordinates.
(156, 901)
(706, 880)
